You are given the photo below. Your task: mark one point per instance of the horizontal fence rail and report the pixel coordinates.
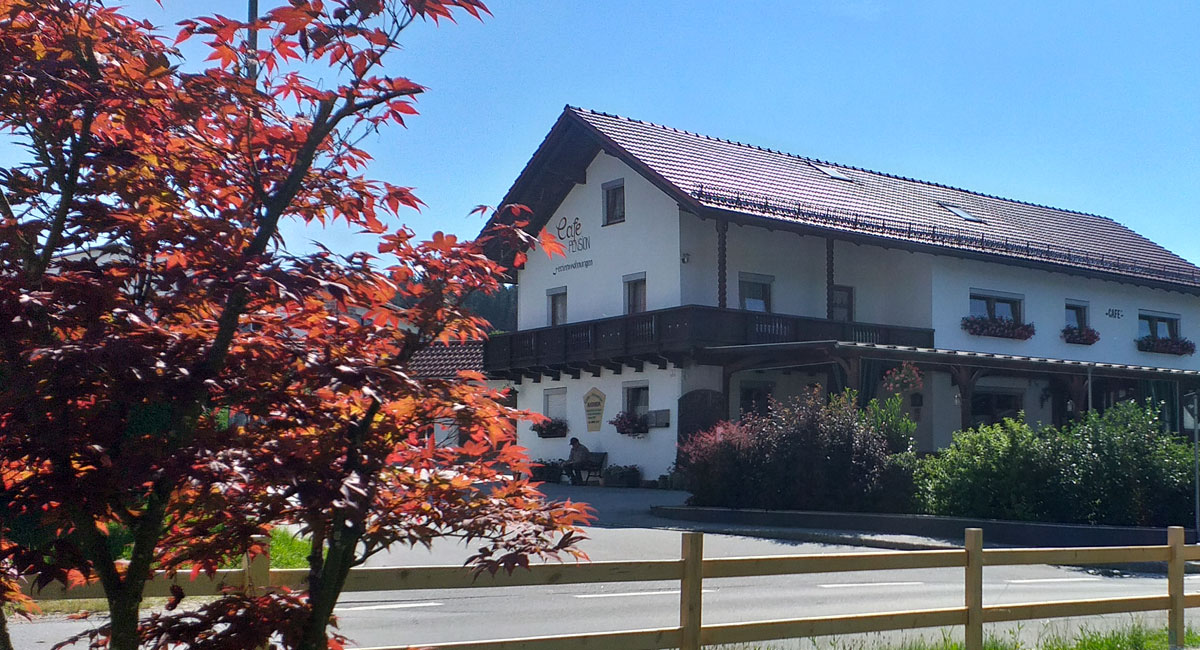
(691, 569)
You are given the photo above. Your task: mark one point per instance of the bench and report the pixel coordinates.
(593, 466)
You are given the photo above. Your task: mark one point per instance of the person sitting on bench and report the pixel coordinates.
(576, 461)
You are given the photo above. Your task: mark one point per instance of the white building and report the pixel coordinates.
(703, 275)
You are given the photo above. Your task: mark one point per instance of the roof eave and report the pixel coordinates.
(536, 172)
(760, 221)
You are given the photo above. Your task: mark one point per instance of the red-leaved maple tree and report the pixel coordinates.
(173, 372)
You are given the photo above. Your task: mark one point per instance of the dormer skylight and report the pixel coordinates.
(832, 172)
(964, 214)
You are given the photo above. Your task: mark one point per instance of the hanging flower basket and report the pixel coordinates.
(1004, 328)
(630, 424)
(552, 428)
(1178, 345)
(1080, 335)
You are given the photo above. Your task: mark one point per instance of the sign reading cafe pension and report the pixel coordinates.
(570, 233)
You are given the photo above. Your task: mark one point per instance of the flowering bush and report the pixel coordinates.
(1080, 335)
(630, 424)
(1177, 345)
(551, 428)
(804, 454)
(1005, 328)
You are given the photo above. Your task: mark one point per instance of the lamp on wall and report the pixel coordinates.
(685, 258)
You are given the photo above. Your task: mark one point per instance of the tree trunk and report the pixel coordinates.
(123, 619)
(5, 641)
(324, 594)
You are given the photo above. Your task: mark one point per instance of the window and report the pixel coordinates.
(635, 293)
(996, 306)
(637, 398)
(754, 291)
(557, 298)
(554, 403)
(990, 407)
(1077, 315)
(1157, 325)
(964, 214)
(841, 304)
(614, 201)
(755, 397)
(832, 172)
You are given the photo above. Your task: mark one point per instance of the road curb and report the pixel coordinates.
(708, 521)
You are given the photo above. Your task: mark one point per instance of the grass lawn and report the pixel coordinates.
(287, 552)
(1134, 637)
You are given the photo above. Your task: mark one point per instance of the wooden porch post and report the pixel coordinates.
(965, 378)
(1077, 388)
(722, 280)
(852, 367)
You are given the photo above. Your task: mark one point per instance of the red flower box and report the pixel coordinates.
(1004, 328)
(1080, 335)
(1180, 345)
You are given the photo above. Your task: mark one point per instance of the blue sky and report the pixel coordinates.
(1091, 106)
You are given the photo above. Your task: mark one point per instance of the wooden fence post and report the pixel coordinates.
(973, 589)
(691, 592)
(1175, 566)
(256, 571)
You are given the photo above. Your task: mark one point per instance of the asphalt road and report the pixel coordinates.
(415, 617)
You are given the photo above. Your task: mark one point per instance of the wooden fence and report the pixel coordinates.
(691, 569)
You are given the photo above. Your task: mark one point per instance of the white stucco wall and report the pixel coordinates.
(797, 264)
(1045, 295)
(698, 243)
(891, 286)
(654, 453)
(647, 241)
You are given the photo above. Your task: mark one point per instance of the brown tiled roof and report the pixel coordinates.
(770, 184)
(445, 361)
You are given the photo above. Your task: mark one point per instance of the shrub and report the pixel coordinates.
(547, 471)
(804, 454)
(897, 491)
(890, 421)
(999, 471)
(720, 466)
(1116, 468)
(622, 476)
(1126, 470)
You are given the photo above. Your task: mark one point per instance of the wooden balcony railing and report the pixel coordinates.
(677, 330)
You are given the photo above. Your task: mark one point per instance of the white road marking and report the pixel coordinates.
(673, 592)
(848, 585)
(1031, 581)
(361, 608)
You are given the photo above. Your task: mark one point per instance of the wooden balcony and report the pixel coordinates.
(670, 334)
